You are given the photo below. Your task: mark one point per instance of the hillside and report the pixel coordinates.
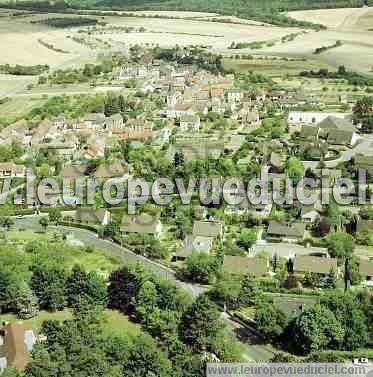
(261, 10)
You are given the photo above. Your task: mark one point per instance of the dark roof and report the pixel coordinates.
(366, 267)
(245, 265)
(90, 215)
(334, 123)
(19, 341)
(318, 265)
(144, 224)
(286, 229)
(114, 169)
(212, 229)
(75, 171)
(293, 306)
(340, 137)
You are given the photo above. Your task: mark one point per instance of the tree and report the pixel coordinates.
(200, 268)
(249, 291)
(124, 284)
(226, 292)
(112, 105)
(271, 321)
(7, 222)
(316, 329)
(26, 302)
(247, 238)
(145, 359)
(48, 283)
(294, 169)
(349, 312)
(6, 290)
(146, 301)
(44, 223)
(341, 245)
(55, 215)
(200, 324)
(331, 280)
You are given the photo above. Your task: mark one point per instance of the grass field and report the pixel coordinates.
(17, 107)
(115, 324)
(92, 261)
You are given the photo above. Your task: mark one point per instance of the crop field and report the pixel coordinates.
(273, 67)
(17, 107)
(27, 43)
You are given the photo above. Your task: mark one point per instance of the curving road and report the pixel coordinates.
(89, 238)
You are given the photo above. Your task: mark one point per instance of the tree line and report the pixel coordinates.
(24, 70)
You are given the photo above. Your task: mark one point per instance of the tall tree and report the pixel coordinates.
(341, 245)
(26, 302)
(316, 329)
(200, 324)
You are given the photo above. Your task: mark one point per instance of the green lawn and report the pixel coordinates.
(115, 323)
(18, 107)
(95, 260)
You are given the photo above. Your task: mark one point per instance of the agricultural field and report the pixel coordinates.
(27, 43)
(17, 107)
(273, 66)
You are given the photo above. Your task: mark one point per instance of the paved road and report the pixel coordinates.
(112, 249)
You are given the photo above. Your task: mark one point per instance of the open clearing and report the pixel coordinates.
(115, 324)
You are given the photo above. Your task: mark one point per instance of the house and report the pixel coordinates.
(286, 232)
(312, 117)
(249, 119)
(246, 207)
(310, 214)
(137, 129)
(322, 266)
(194, 244)
(276, 161)
(180, 109)
(75, 171)
(115, 169)
(142, 224)
(366, 271)
(190, 123)
(17, 341)
(94, 121)
(208, 228)
(338, 131)
(11, 170)
(114, 121)
(234, 95)
(257, 267)
(92, 216)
